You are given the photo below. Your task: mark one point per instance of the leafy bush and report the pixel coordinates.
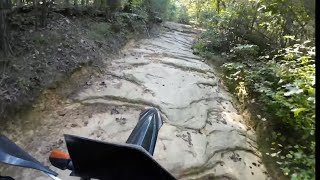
(284, 83)
(100, 31)
(128, 22)
(183, 16)
(245, 51)
(41, 39)
(213, 41)
(286, 88)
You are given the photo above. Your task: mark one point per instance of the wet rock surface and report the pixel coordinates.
(203, 136)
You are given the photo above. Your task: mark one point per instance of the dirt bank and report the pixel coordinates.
(41, 58)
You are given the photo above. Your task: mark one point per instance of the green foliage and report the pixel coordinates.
(41, 39)
(159, 7)
(165, 9)
(199, 46)
(261, 22)
(171, 12)
(130, 23)
(124, 23)
(283, 80)
(182, 16)
(245, 51)
(100, 31)
(214, 41)
(152, 8)
(286, 88)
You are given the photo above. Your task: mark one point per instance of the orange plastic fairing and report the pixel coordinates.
(59, 154)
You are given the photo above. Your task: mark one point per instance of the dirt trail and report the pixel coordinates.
(203, 137)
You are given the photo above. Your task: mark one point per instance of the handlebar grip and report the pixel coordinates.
(60, 160)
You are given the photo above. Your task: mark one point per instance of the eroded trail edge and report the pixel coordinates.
(203, 136)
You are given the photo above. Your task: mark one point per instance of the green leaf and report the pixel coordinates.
(294, 176)
(313, 81)
(289, 156)
(298, 155)
(312, 99)
(289, 37)
(311, 132)
(286, 171)
(297, 111)
(292, 90)
(273, 154)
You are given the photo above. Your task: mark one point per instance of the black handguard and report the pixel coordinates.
(6, 178)
(12, 154)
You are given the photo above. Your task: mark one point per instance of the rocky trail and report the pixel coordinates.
(203, 136)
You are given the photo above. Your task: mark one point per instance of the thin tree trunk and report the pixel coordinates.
(254, 17)
(103, 4)
(36, 13)
(67, 3)
(198, 9)
(3, 33)
(5, 6)
(218, 6)
(43, 18)
(96, 3)
(19, 3)
(223, 4)
(130, 6)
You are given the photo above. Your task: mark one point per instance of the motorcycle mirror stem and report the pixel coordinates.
(146, 131)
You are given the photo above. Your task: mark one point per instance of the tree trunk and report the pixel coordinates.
(254, 38)
(103, 4)
(96, 3)
(5, 6)
(3, 33)
(254, 17)
(44, 11)
(128, 7)
(198, 9)
(67, 3)
(224, 5)
(36, 13)
(218, 6)
(19, 3)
